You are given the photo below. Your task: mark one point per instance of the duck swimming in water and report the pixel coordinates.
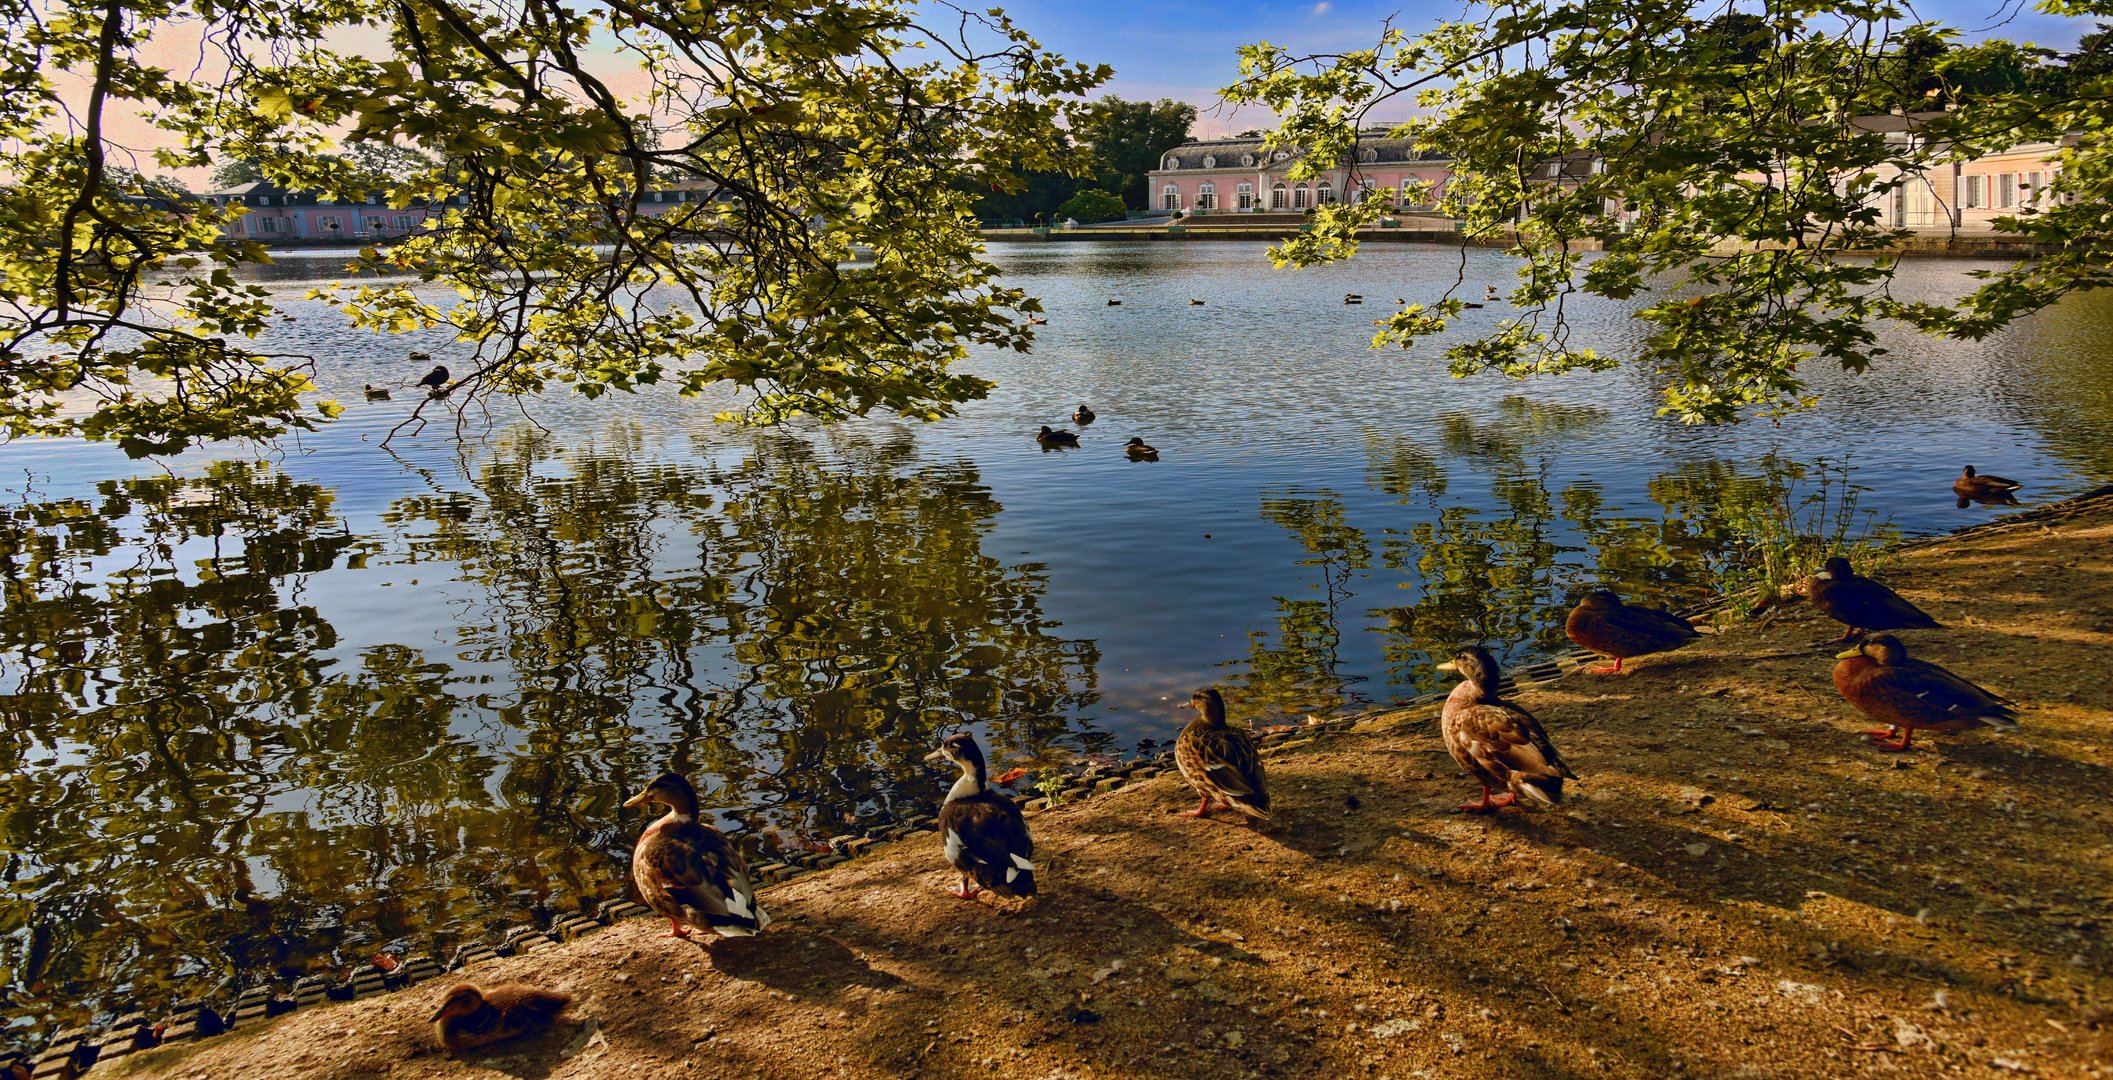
(1138, 451)
(985, 838)
(376, 393)
(686, 869)
(1084, 415)
(1050, 438)
(1498, 742)
(1973, 487)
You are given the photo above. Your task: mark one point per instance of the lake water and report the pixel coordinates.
(272, 716)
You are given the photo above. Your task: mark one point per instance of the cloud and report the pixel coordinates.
(1322, 8)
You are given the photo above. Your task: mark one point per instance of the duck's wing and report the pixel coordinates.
(1923, 688)
(1507, 741)
(1867, 605)
(705, 877)
(985, 837)
(1233, 764)
(1652, 627)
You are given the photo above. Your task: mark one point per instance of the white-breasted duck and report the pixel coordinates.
(1497, 741)
(1220, 761)
(1084, 415)
(687, 870)
(984, 836)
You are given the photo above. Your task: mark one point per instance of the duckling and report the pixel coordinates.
(985, 837)
(1049, 438)
(1501, 744)
(1880, 680)
(376, 393)
(1138, 451)
(686, 869)
(470, 1017)
(1084, 415)
(1970, 487)
(1602, 623)
(1859, 603)
(1220, 761)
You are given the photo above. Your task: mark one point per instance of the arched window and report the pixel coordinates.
(1246, 195)
(1247, 160)
(1173, 162)
(1368, 154)
(1279, 196)
(1298, 198)
(1281, 155)
(1170, 198)
(1210, 162)
(1206, 196)
(1324, 194)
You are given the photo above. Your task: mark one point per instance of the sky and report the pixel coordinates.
(1187, 49)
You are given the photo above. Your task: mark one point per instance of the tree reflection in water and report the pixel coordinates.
(206, 790)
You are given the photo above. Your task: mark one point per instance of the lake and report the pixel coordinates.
(270, 715)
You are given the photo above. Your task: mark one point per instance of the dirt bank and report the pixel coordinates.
(1741, 888)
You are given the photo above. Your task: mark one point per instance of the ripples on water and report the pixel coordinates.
(267, 717)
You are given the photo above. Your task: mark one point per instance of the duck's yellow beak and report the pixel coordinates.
(438, 1013)
(1849, 653)
(1449, 666)
(640, 799)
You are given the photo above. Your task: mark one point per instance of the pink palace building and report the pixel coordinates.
(1232, 176)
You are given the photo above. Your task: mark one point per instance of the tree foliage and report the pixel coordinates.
(1091, 205)
(828, 128)
(1723, 163)
(1124, 140)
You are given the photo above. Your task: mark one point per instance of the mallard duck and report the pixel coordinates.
(1219, 761)
(686, 869)
(985, 837)
(1084, 415)
(1353, 298)
(376, 393)
(1056, 438)
(1602, 623)
(1859, 603)
(469, 1017)
(1138, 451)
(1972, 487)
(1500, 743)
(1878, 678)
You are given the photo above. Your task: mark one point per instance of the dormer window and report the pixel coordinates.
(1281, 155)
(1173, 162)
(1247, 159)
(1210, 162)
(1368, 155)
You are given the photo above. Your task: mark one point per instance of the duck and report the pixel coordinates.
(1471, 303)
(985, 838)
(1115, 303)
(1972, 487)
(436, 379)
(1859, 603)
(1037, 320)
(1139, 451)
(1498, 742)
(1602, 623)
(470, 1017)
(686, 869)
(1084, 415)
(1353, 298)
(1489, 292)
(1878, 677)
(1220, 761)
(1049, 438)
(376, 393)
(1195, 303)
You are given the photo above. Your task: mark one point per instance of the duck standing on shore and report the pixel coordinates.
(686, 869)
(1859, 603)
(1973, 487)
(1602, 623)
(985, 837)
(1879, 678)
(469, 1017)
(1220, 761)
(1501, 744)
(1050, 438)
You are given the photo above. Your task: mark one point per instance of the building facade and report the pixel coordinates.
(277, 215)
(1232, 176)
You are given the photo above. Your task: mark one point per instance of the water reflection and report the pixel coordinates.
(205, 789)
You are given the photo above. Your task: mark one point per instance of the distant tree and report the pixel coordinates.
(1124, 141)
(389, 161)
(1041, 192)
(229, 174)
(2093, 57)
(1092, 204)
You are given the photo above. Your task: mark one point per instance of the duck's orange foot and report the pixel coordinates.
(676, 930)
(964, 891)
(1882, 732)
(1613, 670)
(1203, 809)
(1888, 747)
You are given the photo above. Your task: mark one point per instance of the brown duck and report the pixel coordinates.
(1973, 487)
(469, 1017)
(1497, 741)
(686, 869)
(985, 837)
(1220, 761)
(1602, 623)
(1859, 603)
(1878, 678)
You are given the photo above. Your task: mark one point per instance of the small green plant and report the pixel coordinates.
(1783, 525)
(1051, 783)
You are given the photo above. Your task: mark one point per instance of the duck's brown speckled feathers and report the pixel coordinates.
(1602, 623)
(983, 834)
(688, 872)
(1220, 761)
(1973, 487)
(1859, 603)
(1499, 742)
(469, 1017)
(1879, 678)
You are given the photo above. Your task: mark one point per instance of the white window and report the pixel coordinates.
(1368, 155)
(268, 224)
(1279, 196)
(1206, 196)
(1324, 195)
(2034, 182)
(1298, 198)
(1210, 162)
(1170, 198)
(1281, 155)
(1246, 195)
(328, 224)
(1365, 188)
(2006, 190)
(404, 222)
(1972, 197)
(1173, 162)
(1247, 160)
